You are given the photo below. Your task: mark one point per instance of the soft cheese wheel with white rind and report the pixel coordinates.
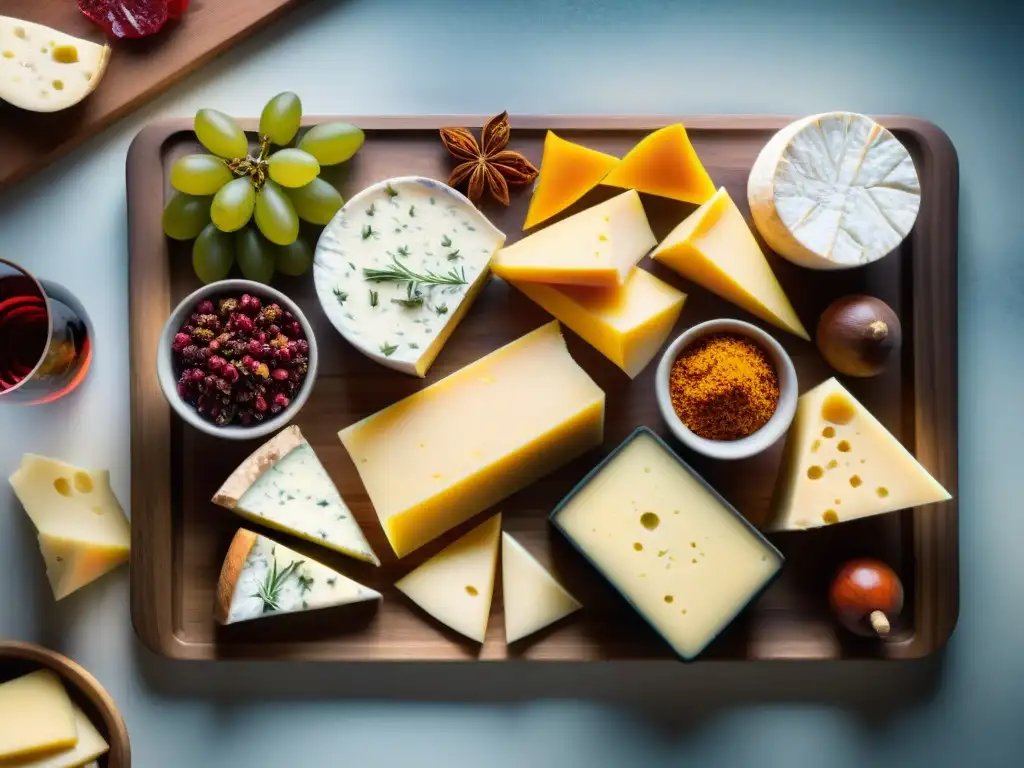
(834, 191)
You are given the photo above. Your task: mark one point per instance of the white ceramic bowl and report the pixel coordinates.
(763, 438)
(169, 379)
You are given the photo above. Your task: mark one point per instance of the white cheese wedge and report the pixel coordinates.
(36, 716)
(91, 745)
(43, 70)
(414, 228)
(284, 486)
(833, 191)
(456, 585)
(83, 531)
(841, 464)
(533, 597)
(262, 578)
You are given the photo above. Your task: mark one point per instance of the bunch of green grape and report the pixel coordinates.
(245, 208)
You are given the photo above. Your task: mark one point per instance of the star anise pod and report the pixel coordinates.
(490, 165)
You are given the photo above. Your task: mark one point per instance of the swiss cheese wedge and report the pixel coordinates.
(664, 164)
(567, 172)
(533, 597)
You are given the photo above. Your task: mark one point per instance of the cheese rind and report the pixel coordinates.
(567, 172)
(36, 716)
(664, 163)
(91, 745)
(833, 472)
(533, 598)
(461, 445)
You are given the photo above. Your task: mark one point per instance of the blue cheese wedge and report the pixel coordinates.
(284, 486)
(399, 266)
(262, 578)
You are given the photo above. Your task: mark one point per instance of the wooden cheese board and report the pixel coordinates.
(180, 537)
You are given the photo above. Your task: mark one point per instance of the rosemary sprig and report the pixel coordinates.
(373, 298)
(270, 590)
(399, 273)
(340, 295)
(413, 297)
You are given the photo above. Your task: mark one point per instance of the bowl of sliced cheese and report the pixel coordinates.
(54, 714)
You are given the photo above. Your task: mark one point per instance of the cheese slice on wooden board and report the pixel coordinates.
(45, 70)
(715, 248)
(627, 324)
(284, 486)
(567, 172)
(450, 451)
(533, 597)
(456, 585)
(262, 578)
(36, 716)
(665, 164)
(597, 246)
(91, 745)
(833, 191)
(840, 463)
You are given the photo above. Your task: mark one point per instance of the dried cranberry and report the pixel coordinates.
(294, 329)
(255, 348)
(281, 400)
(181, 340)
(182, 390)
(204, 307)
(273, 330)
(283, 355)
(209, 384)
(195, 375)
(260, 404)
(250, 305)
(253, 365)
(260, 336)
(213, 346)
(230, 374)
(216, 363)
(247, 360)
(242, 323)
(127, 18)
(287, 315)
(223, 386)
(191, 354)
(279, 374)
(302, 346)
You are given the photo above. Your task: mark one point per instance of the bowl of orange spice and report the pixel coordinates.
(726, 389)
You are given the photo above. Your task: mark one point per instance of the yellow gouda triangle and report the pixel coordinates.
(664, 164)
(567, 172)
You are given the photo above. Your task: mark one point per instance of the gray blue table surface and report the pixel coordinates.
(957, 64)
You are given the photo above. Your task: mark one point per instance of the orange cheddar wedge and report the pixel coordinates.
(567, 172)
(664, 164)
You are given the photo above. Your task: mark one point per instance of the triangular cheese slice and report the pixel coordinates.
(664, 164)
(91, 745)
(715, 248)
(533, 598)
(567, 172)
(456, 585)
(284, 486)
(71, 564)
(841, 464)
(263, 578)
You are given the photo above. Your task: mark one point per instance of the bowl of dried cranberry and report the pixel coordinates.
(237, 359)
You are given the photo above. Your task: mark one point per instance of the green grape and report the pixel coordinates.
(213, 254)
(332, 143)
(255, 255)
(293, 167)
(317, 202)
(199, 174)
(232, 205)
(275, 215)
(185, 216)
(281, 117)
(220, 134)
(294, 259)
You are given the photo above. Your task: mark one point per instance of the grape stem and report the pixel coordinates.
(256, 168)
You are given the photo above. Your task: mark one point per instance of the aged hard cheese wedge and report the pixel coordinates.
(449, 451)
(567, 172)
(533, 598)
(44, 70)
(664, 164)
(597, 246)
(36, 716)
(841, 464)
(715, 248)
(283, 485)
(627, 324)
(83, 532)
(834, 190)
(263, 578)
(91, 745)
(684, 559)
(456, 585)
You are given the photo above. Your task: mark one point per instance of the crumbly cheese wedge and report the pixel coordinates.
(456, 585)
(283, 485)
(43, 70)
(36, 716)
(406, 226)
(91, 745)
(533, 597)
(841, 464)
(834, 190)
(567, 172)
(263, 578)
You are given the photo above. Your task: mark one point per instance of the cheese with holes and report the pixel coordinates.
(44, 70)
(841, 464)
(687, 561)
(664, 163)
(91, 745)
(261, 577)
(447, 452)
(715, 248)
(597, 246)
(283, 485)
(567, 172)
(36, 716)
(83, 531)
(456, 585)
(834, 190)
(627, 324)
(533, 597)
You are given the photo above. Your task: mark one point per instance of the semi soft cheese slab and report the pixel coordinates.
(567, 172)
(685, 559)
(533, 597)
(664, 163)
(91, 745)
(841, 464)
(36, 716)
(447, 452)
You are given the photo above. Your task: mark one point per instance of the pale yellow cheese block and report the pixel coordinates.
(447, 452)
(715, 248)
(533, 597)
(91, 745)
(456, 585)
(597, 246)
(70, 564)
(627, 323)
(841, 464)
(36, 716)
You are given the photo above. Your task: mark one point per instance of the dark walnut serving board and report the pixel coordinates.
(179, 537)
